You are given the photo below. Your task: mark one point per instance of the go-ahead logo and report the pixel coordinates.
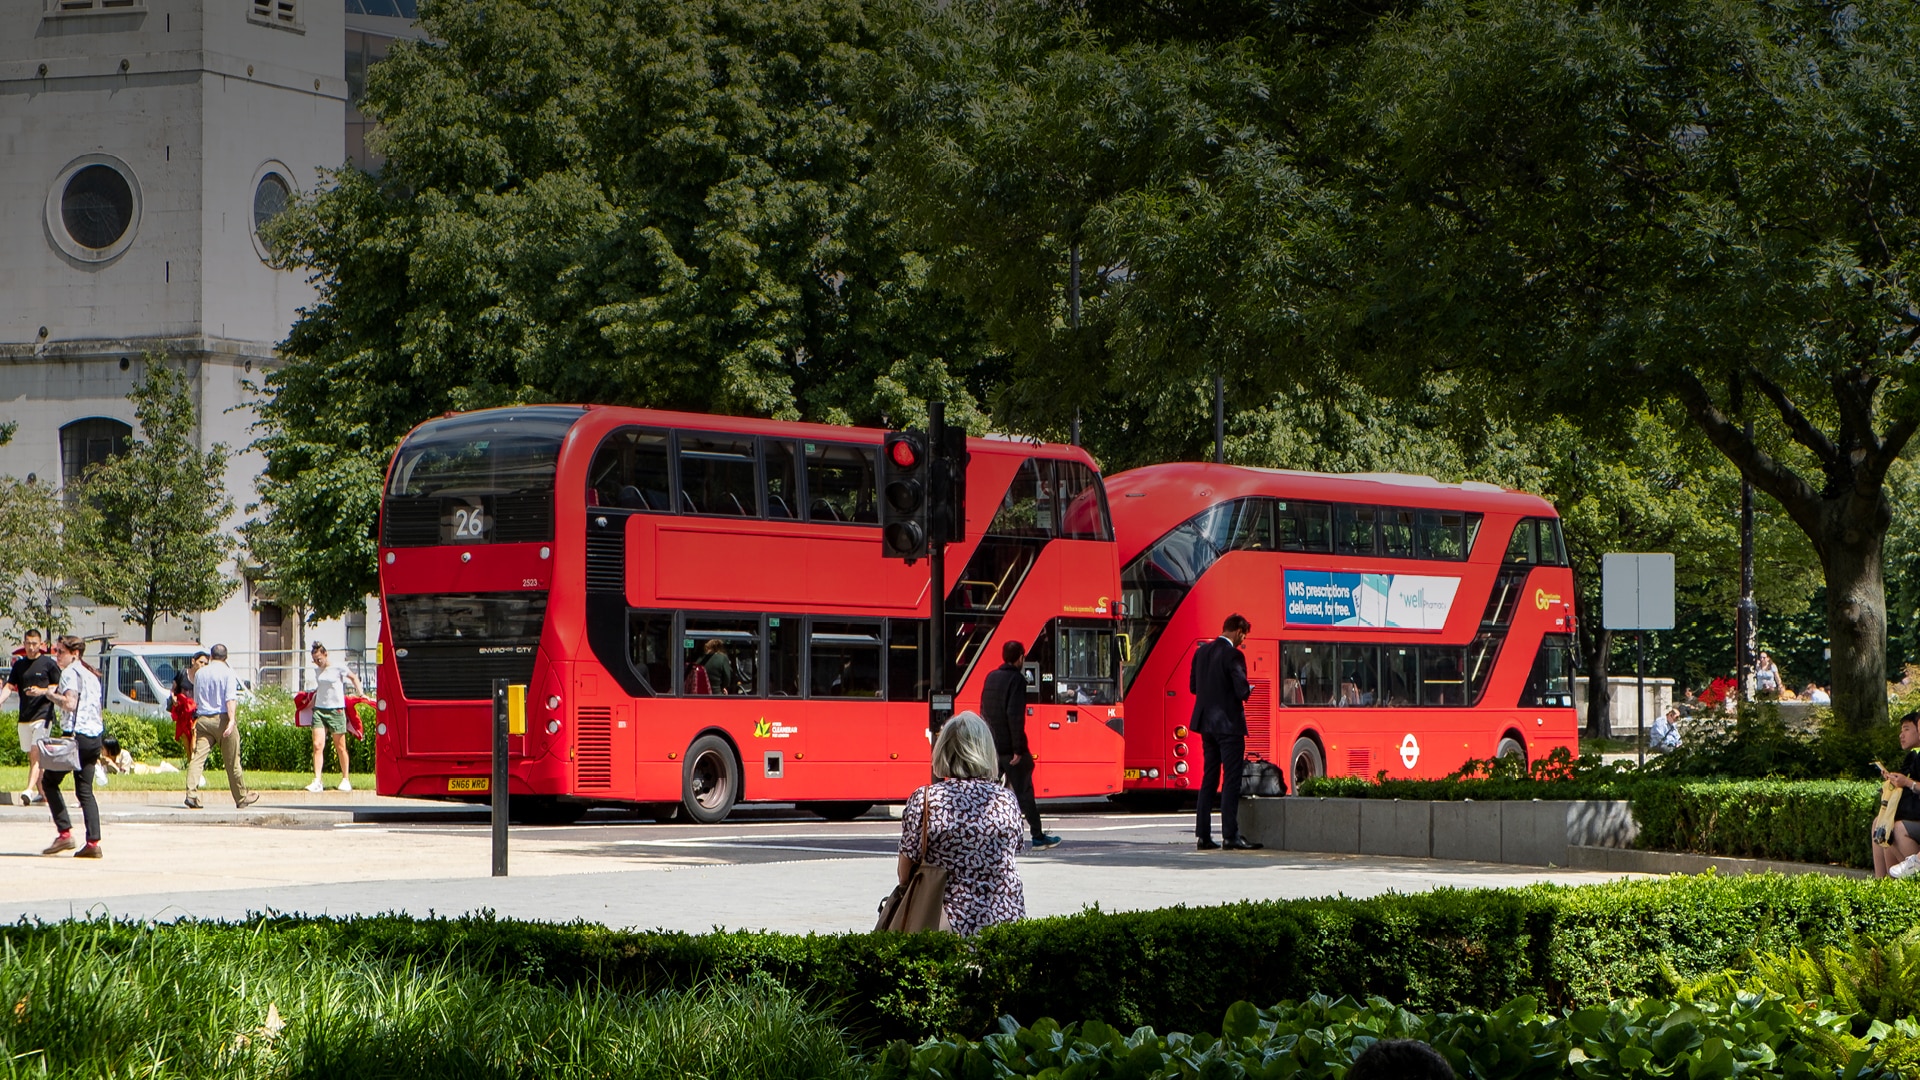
(1543, 599)
(773, 729)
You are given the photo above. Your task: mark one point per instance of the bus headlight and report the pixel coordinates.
(1153, 774)
(1180, 768)
(553, 702)
(380, 729)
(553, 727)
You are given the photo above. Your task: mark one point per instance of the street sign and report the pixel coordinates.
(1636, 591)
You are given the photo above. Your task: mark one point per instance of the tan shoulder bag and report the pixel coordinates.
(918, 903)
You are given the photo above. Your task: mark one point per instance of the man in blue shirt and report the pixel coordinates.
(216, 717)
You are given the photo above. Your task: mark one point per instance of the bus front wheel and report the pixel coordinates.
(1308, 763)
(709, 780)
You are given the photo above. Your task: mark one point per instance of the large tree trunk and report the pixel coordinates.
(1856, 529)
(1599, 691)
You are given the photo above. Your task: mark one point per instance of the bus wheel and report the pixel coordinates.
(534, 810)
(837, 811)
(1511, 746)
(1308, 764)
(709, 780)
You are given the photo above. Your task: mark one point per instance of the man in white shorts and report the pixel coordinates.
(34, 667)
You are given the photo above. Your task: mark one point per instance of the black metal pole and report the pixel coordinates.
(1746, 616)
(1219, 419)
(1640, 692)
(937, 571)
(499, 778)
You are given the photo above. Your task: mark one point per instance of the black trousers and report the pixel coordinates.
(1226, 758)
(1020, 779)
(82, 789)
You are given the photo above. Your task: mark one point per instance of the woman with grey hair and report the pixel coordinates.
(974, 831)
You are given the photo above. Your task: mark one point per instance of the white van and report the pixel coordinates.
(139, 675)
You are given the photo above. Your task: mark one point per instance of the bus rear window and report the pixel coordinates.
(475, 479)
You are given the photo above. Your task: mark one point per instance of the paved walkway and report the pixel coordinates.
(792, 874)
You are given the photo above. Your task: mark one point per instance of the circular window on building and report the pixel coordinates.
(97, 207)
(272, 191)
(93, 209)
(269, 198)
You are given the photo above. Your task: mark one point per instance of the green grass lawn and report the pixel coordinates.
(14, 778)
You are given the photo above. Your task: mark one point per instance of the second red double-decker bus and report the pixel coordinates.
(1400, 625)
(700, 610)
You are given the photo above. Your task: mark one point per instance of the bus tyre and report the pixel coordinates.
(837, 811)
(1511, 747)
(709, 780)
(1308, 763)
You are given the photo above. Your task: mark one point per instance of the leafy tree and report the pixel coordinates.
(34, 524)
(658, 203)
(1708, 202)
(151, 520)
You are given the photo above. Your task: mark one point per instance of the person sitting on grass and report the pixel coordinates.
(1887, 858)
(1664, 735)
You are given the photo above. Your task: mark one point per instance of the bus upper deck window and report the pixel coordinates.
(783, 478)
(1027, 507)
(1396, 533)
(1253, 525)
(1353, 530)
(1082, 502)
(1520, 547)
(841, 484)
(1443, 535)
(629, 471)
(719, 474)
(1303, 526)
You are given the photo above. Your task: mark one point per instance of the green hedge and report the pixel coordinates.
(1817, 821)
(1176, 968)
(270, 743)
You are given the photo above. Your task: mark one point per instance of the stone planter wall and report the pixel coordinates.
(1534, 833)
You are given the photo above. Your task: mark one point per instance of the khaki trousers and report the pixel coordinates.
(206, 731)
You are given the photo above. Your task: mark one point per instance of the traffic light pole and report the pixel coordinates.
(939, 700)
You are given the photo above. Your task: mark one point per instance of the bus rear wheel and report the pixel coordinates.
(837, 811)
(1308, 763)
(709, 780)
(1511, 747)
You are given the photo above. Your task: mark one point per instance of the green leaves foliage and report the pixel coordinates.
(661, 203)
(1721, 1035)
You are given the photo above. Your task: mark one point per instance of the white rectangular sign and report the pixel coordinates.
(1636, 591)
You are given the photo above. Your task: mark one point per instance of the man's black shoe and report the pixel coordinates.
(1242, 845)
(1207, 845)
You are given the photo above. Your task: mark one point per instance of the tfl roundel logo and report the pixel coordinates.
(1409, 750)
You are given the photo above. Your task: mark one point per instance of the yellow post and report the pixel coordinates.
(516, 710)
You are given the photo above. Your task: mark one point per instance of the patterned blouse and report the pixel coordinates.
(975, 833)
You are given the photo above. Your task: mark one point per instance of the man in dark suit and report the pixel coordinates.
(1218, 680)
(1003, 705)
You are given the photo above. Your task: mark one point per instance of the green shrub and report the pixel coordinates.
(1757, 744)
(1177, 968)
(1817, 821)
(1319, 1039)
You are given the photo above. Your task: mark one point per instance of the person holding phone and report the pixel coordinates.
(1902, 858)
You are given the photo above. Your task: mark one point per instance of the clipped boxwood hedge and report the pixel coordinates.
(1173, 968)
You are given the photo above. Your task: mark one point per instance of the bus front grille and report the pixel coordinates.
(594, 763)
(460, 672)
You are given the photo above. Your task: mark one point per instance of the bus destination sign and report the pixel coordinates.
(1395, 601)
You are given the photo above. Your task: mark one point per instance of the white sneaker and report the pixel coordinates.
(345, 784)
(1906, 867)
(316, 786)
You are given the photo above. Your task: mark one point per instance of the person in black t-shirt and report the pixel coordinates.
(33, 667)
(1887, 861)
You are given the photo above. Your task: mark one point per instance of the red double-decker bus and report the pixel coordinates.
(700, 610)
(1400, 625)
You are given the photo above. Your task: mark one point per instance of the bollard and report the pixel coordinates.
(500, 720)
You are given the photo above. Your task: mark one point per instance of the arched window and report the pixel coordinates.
(88, 442)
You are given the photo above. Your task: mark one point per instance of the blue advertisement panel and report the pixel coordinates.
(1342, 598)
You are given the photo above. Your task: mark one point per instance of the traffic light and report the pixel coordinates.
(947, 519)
(906, 482)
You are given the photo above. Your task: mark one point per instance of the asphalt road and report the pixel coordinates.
(767, 868)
